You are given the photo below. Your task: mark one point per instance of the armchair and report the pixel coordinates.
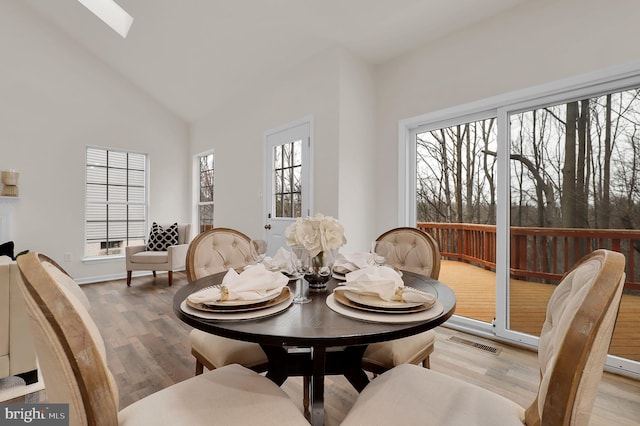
(138, 258)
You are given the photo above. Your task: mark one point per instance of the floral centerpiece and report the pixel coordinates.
(321, 235)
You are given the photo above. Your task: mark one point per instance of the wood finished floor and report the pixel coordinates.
(148, 349)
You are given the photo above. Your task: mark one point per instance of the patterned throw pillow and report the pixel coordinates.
(6, 249)
(160, 239)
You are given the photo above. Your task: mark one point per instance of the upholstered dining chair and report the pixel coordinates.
(414, 251)
(157, 254)
(217, 250)
(71, 353)
(573, 346)
(213, 251)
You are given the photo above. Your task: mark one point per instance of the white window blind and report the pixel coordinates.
(116, 201)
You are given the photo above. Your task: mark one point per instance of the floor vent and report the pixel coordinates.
(486, 348)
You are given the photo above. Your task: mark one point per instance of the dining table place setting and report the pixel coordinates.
(378, 293)
(350, 262)
(253, 293)
(282, 261)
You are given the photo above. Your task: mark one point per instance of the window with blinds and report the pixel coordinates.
(116, 201)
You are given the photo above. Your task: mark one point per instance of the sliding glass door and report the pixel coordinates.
(518, 190)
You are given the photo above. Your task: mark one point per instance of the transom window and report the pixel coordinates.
(116, 201)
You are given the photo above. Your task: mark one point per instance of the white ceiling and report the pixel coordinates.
(193, 55)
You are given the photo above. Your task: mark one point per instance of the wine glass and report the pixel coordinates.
(258, 250)
(300, 260)
(381, 251)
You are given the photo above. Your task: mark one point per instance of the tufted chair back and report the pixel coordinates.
(413, 251)
(217, 250)
(575, 338)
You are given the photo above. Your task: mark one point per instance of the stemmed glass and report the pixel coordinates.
(381, 251)
(258, 250)
(300, 260)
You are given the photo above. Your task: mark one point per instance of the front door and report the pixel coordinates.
(287, 180)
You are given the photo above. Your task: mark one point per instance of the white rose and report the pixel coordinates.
(290, 234)
(316, 234)
(308, 234)
(332, 234)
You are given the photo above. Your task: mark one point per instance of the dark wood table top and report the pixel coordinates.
(315, 324)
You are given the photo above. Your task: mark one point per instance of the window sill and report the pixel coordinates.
(100, 259)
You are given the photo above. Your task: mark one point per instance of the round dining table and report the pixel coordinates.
(313, 340)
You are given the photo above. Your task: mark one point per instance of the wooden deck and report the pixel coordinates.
(476, 298)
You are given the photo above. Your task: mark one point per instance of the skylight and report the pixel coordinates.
(111, 14)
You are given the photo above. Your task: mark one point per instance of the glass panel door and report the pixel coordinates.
(456, 204)
(287, 180)
(574, 179)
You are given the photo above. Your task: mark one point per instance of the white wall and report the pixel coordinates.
(54, 100)
(357, 199)
(536, 43)
(236, 134)
(337, 89)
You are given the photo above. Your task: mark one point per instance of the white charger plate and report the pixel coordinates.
(238, 316)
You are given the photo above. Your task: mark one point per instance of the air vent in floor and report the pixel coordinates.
(486, 348)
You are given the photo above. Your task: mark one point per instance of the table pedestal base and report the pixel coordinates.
(315, 363)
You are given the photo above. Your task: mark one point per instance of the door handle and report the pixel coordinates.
(267, 226)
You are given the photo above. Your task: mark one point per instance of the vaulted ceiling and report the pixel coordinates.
(193, 55)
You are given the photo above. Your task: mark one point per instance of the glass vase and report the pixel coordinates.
(320, 270)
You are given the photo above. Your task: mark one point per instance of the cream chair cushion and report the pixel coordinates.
(411, 395)
(220, 351)
(231, 395)
(408, 350)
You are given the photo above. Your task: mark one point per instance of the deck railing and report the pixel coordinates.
(537, 254)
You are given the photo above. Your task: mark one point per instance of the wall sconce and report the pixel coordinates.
(10, 182)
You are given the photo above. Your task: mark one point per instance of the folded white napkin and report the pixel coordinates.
(385, 283)
(348, 262)
(281, 261)
(252, 284)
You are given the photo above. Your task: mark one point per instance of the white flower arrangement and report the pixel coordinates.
(317, 234)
